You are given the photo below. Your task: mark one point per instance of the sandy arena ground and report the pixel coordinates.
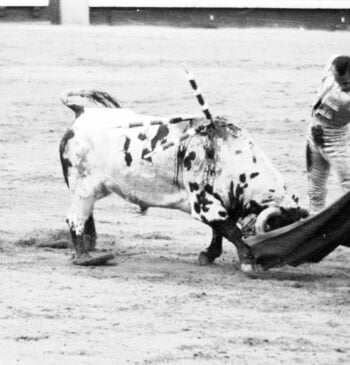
(155, 304)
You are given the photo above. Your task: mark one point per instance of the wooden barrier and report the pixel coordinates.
(69, 12)
(308, 14)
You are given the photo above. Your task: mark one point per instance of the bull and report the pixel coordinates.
(214, 171)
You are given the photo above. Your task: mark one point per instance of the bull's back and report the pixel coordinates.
(119, 160)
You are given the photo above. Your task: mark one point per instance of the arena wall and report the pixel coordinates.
(312, 14)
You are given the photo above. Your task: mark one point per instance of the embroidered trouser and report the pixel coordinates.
(321, 154)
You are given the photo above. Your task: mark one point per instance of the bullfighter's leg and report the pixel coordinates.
(213, 251)
(340, 158)
(77, 219)
(90, 233)
(318, 171)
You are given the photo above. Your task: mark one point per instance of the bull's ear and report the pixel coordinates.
(286, 214)
(304, 213)
(290, 215)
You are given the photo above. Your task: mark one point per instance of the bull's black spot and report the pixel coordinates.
(254, 159)
(65, 162)
(317, 135)
(308, 157)
(128, 157)
(210, 153)
(193, 187)
(255, 208)
(267, 201)
(218, 197)
(162, 132)
(272, 190)
(126, 143)
(181, 153)
(242, 178)
(295, 198)
(179, 163)
(188, 160)
(239, 190)
(204, 219)
(254, 174)
(142, 136)
(145, 151)
(209, 188)
(203, 201)
(235, 207)
(163, 141)
(197, 207)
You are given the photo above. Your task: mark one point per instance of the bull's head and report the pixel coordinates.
(258, 198)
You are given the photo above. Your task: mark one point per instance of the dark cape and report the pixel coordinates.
(308, 240)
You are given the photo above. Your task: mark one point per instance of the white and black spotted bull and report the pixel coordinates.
(216, 173)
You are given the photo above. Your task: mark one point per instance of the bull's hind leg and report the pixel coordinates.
(80, 222)
(90, 233)
(213, 251)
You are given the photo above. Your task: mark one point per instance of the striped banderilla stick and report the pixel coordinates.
(191, 132)
(198, 94)
(160, 121)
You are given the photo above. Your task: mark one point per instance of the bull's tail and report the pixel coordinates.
(71, 100)
(65, 162)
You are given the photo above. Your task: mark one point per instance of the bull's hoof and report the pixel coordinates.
(93, 261)
(250, 270)
(204, 259)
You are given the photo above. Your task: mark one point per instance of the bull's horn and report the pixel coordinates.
(264, 216)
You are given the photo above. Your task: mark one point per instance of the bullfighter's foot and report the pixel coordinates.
(88, 260)
(205, 259)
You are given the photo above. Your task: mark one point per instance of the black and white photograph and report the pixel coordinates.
(174, 182)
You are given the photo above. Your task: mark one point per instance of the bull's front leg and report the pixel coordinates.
(208, 207)
(213, 251)
(230, 231)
